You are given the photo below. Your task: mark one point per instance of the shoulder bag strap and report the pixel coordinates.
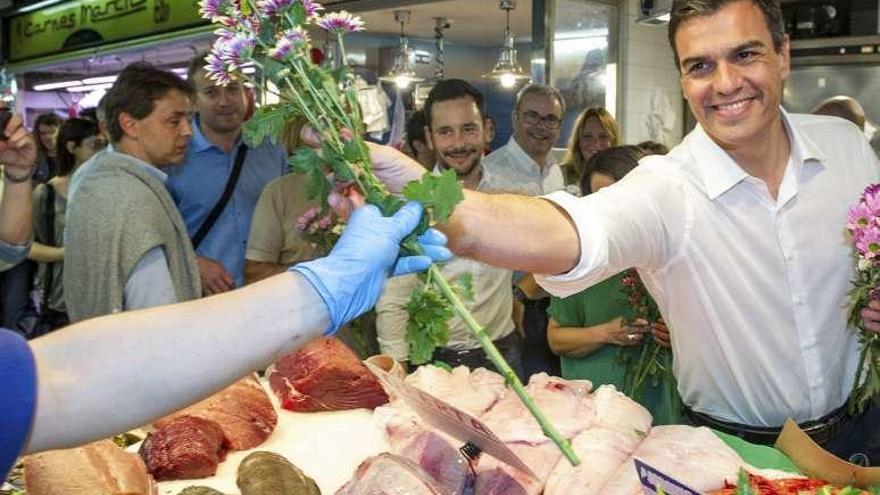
(212, 217)
(49, 218)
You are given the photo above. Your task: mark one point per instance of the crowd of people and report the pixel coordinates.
(161, 202)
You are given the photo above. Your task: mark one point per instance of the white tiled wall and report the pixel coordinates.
(647, 67)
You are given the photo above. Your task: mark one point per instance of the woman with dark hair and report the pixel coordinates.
(594, 130)
(78, 140)
(588, 329)
(46, 134)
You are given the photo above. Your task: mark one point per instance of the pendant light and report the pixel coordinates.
(402, 74)
(507, 70)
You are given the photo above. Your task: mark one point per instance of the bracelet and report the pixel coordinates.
(18, 180)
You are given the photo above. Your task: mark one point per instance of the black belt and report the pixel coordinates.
(820, 430)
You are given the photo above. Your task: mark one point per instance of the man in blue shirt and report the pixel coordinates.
(198, 182)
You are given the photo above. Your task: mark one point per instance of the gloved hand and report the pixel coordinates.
(351, 278)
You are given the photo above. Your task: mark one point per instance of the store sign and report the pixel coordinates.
(449, 419)
(81, 23)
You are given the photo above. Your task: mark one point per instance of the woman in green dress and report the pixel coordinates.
(588, 329)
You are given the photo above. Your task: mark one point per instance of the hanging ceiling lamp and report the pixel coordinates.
(507, 70)
(402, 74)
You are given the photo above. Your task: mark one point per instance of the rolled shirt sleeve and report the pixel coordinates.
(11, 254)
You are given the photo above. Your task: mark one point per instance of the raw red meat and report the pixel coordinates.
(388, 474)
(325, 375)
(99, 468)
(186, 448)
(243, 411)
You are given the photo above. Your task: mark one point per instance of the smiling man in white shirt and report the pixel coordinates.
(738, 234)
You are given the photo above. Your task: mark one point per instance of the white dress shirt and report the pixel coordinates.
(752, 288)
(514, 171)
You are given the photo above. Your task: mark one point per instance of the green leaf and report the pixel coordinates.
(428, 324)
(304, 160)
(318, 188)
(351, 151)
(268, 121)
(342, 170)
(443, 365)
(299, 14)
(438, 193)
(274, 70)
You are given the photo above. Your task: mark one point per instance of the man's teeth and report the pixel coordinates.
(733, 106)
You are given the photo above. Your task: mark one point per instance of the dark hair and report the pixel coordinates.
(615, 162)
(75, 130)
(415, 128)
(46, 119)
(452, 89)
(135, 91)
(684, 10)
(89, 114)
(653, 148)
(196, 64)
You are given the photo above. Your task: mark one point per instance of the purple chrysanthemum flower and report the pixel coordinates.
(340, 22)
(224, 34)
(209, 9)
(226, 21)
(286, 42)
(215, 69)
(868, 244)
(234, 51)
(311, 8)
(272, 7)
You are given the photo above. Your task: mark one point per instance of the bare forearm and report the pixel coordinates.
(44, 253)
(113, 373)
(511, 231)
(576, 342)
(15, 213)
(254, 271)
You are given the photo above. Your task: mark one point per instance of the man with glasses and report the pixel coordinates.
(525, 164)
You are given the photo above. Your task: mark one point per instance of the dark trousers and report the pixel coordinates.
(854, 439)
(510, 347)
(14, 286)
(536, 354)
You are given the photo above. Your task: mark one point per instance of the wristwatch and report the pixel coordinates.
(18, 180)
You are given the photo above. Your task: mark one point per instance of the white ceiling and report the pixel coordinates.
(474, 22)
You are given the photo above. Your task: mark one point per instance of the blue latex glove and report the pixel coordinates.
(352, 277)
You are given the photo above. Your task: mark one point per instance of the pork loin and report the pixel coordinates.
(389, 474)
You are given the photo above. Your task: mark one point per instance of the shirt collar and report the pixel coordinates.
(146, 167)
(720, 172)
(199, 142)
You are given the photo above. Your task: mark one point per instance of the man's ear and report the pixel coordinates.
(128, 125)
(70, 145)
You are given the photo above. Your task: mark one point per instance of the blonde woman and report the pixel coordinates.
(594, 130)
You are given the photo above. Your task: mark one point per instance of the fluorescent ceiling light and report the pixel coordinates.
(37, 6)
(56, 85)
(89, 87)
(99, 80)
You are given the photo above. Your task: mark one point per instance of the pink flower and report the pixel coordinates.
(859, 216)
(290, 39)
(304, 220)
(216, 70)
(273, 7)
(871, 200)
(311, 8)
(868, 243)
(235, 50)
(340, 22)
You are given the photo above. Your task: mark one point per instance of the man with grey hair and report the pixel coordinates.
(737, 233)
(525, 163)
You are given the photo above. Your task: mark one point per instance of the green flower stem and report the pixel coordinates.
(497, 359)
(333, 109)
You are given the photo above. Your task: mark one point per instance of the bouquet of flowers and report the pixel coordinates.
(864, 227)
(273, 35)
(647, 362)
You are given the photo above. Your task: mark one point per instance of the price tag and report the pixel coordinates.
(653, 481)
(450, 420)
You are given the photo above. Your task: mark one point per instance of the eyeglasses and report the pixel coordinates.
(534, 118)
